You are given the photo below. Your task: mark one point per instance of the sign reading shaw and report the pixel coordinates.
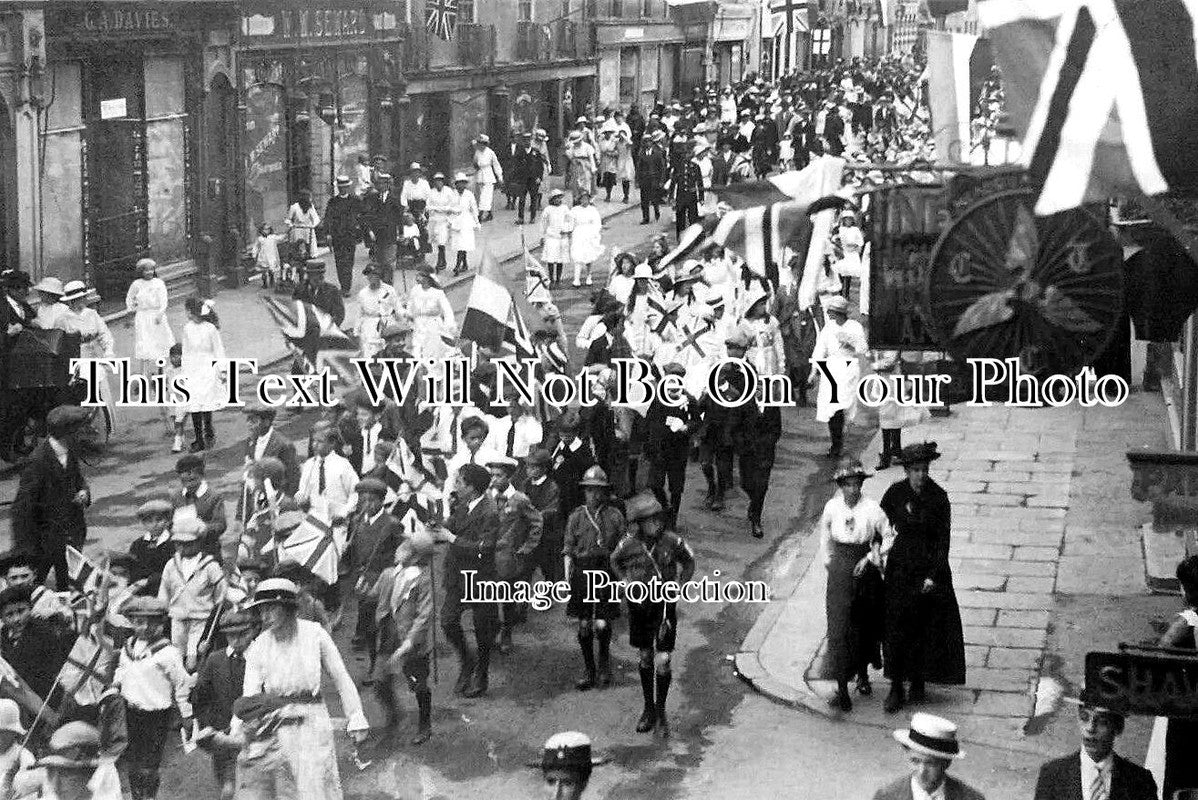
(1152, 682)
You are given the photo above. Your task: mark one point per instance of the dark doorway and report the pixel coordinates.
(437, 138)
(220, 199)
(116, 225)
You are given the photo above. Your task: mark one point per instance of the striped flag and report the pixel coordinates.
(1105, 92)
(819, 178)
(313, 333)
(759, 235)
(492, 319)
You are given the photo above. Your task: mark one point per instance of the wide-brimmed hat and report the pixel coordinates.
(658, 134)
(482, 139)
(923, 453)
(275, 590)
(595, 476)
(850, 468)
(504, 462)
(932, 736)
(400, 327)
(49, 285)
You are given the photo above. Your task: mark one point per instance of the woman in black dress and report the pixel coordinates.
(924, 641)
(1181, 768)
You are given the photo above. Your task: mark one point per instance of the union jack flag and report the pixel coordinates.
(441, 18)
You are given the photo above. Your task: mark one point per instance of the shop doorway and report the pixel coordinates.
(116, 229)
(438, 141)
(220, 111)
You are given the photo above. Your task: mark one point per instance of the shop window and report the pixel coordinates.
(466, 12)
(647, 8)
(524, 11)
(265, 153)
(167, 154)
(352, 135)
(629, 67)
(617, 8)
(62, 159)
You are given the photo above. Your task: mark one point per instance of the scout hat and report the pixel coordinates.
(924, 453)
(642, 506)
(74, 746)
(142, 606)
(931, 735)
(275, 590)
(595, 476)
(49, 285)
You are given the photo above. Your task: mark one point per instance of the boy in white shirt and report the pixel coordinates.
(193, 584)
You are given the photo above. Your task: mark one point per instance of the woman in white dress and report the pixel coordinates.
(152, 334)
(852, 531)
(463, 222)
(442, 205)
(289, 659)
(302, 220)
(555, 236)
(842, 342)
(432, 317)
(586, 237)
(849, 242)
(95, 341)
(204, 380)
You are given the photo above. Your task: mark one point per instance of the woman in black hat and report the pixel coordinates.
(924, 641)
(852, 529)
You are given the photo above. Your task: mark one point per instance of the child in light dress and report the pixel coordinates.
(266, 256)
(178, 411)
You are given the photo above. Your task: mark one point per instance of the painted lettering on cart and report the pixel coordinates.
(324, 23)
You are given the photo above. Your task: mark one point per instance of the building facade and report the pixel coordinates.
(22, 100)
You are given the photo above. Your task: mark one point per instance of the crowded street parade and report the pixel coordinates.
(432, 399)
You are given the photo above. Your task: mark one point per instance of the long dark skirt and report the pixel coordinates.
(849, 649)
(1181, 745)
(924, 639)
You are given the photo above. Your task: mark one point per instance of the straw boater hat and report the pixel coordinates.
(343, 180)
(275, 590)
(569, 750)
(460, 177)
(504, 462)
(932, 736)
(1091, 699)
(483, 139)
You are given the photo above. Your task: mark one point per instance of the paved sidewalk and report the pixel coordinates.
(247, 329)
(1041, 507)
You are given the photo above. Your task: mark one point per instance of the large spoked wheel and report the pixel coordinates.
(1005, 283)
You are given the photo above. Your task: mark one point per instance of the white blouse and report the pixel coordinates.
(857, 525)
(296, 666)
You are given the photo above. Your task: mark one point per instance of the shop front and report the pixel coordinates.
(317, 87)
(121, 144)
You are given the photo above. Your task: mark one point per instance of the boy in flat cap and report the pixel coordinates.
(196, 498)
(19, 569)
(520, 525)
(374, 536)
(404, 595)
(153, 549)
(219, 683)
(193, 584)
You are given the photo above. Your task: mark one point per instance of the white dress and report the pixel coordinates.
(302, 226)
(432, 317)
(851, 242)
(463, 222)
(95, 342)
(586, 234)
(202, 345)
(841, 345)
(294, 669)
(442, 205)
(152, 334)
(375, 309)
(555, 233)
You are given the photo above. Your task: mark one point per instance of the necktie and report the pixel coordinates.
(1098, 787)
(320, 479)
(369, 448)
(511, 439)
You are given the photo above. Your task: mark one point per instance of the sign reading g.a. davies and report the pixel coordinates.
(1151, 682)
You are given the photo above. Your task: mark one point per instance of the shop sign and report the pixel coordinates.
(634, 33)
(116, 20)
(1148, 682)
(116, 108)
(312, 24)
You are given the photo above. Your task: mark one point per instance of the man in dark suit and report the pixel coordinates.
(688, 191)
(528, 168)
(218, 683)
(375, 537)
(652, 169)
(36, 648)
(1096, 767)
(385, 214)
(833, 133)
(342, 223)
(472, 531)
(572, 456)
(265, 442)
(930, 745)
(48, 510)
(316, 290)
